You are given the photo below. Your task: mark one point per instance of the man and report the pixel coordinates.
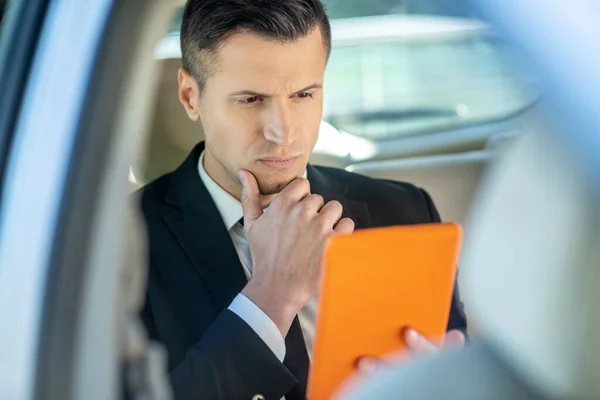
(237, 231)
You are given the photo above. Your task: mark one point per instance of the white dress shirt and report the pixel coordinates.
(231, 211)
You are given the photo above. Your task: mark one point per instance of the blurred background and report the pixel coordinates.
(425, 91)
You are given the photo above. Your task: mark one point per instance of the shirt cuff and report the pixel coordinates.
(264, 327)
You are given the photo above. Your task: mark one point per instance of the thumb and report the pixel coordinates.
(455, 338)
(250, 197)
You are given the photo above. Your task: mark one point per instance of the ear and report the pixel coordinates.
(189, 93)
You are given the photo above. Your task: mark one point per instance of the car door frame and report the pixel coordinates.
(63, 203)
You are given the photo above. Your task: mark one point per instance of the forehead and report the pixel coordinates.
(249, 59)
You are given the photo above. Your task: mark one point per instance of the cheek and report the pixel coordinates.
(311, 121)
(230, 130)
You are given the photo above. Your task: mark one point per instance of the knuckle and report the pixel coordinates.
(335, 205)
(304, 182)
(317, 198)
(281, 200)
(348, 224)
(305, 185)
(304, 211)
(301, 184)
(324, 226)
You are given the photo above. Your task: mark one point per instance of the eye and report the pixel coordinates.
(305, 95)
(250, 100)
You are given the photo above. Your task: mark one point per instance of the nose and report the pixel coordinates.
(278, 124)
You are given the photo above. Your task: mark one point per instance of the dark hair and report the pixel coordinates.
(207, 23)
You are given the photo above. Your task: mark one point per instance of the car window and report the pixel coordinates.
(362, 8)
(402, 68)
(400, 88)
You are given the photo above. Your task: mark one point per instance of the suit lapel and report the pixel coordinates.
(333, 190)
(199, 229)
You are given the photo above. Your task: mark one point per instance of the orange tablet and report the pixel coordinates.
(375, 283)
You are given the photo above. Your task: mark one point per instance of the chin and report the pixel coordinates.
(273, 186)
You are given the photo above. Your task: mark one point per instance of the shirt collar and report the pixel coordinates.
(229, 207)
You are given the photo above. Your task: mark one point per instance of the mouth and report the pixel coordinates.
(278, 162)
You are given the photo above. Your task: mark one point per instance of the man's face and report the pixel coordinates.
(261, 109)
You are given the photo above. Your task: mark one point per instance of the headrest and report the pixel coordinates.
(531, 267)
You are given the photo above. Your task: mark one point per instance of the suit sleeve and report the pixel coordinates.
(230, 361)
(457, 319)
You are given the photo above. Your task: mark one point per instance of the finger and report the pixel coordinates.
(368, 365)
(295, 191)
(417, 343)
(345, 226)
(251, 203)
(331, 213)
(454, 338)
(313, 203)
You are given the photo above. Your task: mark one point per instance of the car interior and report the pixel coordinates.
(452, 108)
(447, 156)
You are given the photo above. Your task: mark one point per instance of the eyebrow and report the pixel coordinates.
(252, 93)
(313, 86)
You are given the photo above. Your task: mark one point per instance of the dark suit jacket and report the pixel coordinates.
(195, 273)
